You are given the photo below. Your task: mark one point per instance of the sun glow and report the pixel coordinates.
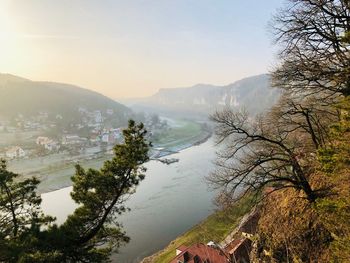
(124, 49)
(10, 46)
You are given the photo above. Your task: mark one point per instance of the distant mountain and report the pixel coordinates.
(253, 93)
(28, 98)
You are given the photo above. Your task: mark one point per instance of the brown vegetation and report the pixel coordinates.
(301, 148)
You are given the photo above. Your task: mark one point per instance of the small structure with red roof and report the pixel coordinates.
(200, 253)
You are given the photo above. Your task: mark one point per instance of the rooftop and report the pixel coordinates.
(200, 253)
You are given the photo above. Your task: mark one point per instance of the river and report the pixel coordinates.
(170, 200)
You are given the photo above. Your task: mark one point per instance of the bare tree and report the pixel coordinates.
(257, 153)
(314, 36)
(307, 115)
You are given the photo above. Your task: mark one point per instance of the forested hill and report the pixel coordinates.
(254, 94)
(28, 98)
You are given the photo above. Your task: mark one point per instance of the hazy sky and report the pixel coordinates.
(132, 48)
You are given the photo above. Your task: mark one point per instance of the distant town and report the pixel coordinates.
(93, 134)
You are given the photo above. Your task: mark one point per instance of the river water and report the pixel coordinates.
(170, 200)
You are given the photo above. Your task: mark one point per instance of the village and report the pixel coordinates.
(49, 146)
(92, 133)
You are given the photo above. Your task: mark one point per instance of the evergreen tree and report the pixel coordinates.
(90, 233)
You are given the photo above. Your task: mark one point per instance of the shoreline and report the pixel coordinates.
(159, 189)
(217, 226)
(178, 149)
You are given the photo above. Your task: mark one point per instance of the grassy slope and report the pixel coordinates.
(214, 228)
(183, 132)
(55, 177)
(292, 229)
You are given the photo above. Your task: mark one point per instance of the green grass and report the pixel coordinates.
(214, 228)
(184, 132)
(56, 177)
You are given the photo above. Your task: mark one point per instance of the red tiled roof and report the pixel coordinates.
(200, 253)
(239, 249)
(231, 248)
(182, 248)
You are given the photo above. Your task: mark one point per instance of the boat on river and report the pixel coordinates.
(169, 160)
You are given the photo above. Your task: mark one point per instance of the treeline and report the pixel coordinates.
(297, 154)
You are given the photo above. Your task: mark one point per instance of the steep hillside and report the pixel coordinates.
(253, 93)
(292, 228)
(28, 98)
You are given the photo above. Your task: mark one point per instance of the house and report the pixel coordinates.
(47, 143)
(109, 111)
(73, 139)
(41, 140)
(59, 117)
(105, 137)
(200, 253)
(32, 125)
(238, 243)
(235, 248)
(117, 133)
(15, 152)
(98, 116)
(239, 250)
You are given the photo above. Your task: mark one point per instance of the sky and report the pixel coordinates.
(132, 48)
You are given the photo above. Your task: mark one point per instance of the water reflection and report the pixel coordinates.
(168, 202)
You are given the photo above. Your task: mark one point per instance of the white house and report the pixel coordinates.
(110, 111)
(117, 133)
(98, 116)
(105, 137)
(15, 152)
(47, 143)
(59, 117)
(72, 139)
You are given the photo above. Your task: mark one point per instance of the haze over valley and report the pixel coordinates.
(187, 131)
(56, 125)
(204, 99)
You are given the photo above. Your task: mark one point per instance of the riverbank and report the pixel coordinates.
(214, 228)
(199, 139)
(165, 204)
(55, 171)
(181, 135)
